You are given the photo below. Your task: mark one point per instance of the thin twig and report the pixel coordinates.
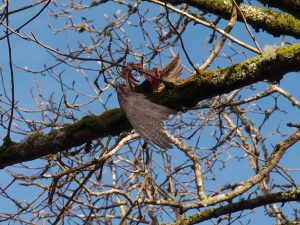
(196, 161)
(180, 39)
(207, 24)
(220, 44)
(247, 27)
(11, 78)
(28, 21)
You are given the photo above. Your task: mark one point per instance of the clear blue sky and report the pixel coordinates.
(28, 54)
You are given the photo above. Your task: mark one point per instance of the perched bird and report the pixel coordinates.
(144, 115)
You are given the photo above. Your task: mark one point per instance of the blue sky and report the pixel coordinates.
(29, 55)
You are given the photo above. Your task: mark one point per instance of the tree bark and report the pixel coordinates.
(273, 22)
(270, 66)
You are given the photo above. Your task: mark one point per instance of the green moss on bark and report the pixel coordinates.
(210, 83)
(276, 23)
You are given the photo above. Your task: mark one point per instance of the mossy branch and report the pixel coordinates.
(38, 144)
(290, 6)
(271, 65)
(187, 93)
(274, 22)
(280, 197)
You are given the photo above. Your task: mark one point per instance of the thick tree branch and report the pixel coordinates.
(290, 6)
(282, 197)
(38, 144)
(269, 66)
(273, 22)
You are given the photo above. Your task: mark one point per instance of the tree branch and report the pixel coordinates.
(290, 6)
(270, 164)
(268, 66)
(275, 23)
(282, 197)
(38, 144)
(271, 65)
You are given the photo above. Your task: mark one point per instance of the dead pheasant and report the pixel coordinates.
(144, 115)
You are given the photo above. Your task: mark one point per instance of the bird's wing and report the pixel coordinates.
(173, 70)
(160, 112)
(145, 116)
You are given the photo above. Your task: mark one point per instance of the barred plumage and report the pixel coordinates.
(173, 70)
(145, 116)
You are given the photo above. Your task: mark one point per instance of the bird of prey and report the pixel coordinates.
(144, 115)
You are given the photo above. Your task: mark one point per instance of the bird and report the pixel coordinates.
(144, 115)
(171, 72)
